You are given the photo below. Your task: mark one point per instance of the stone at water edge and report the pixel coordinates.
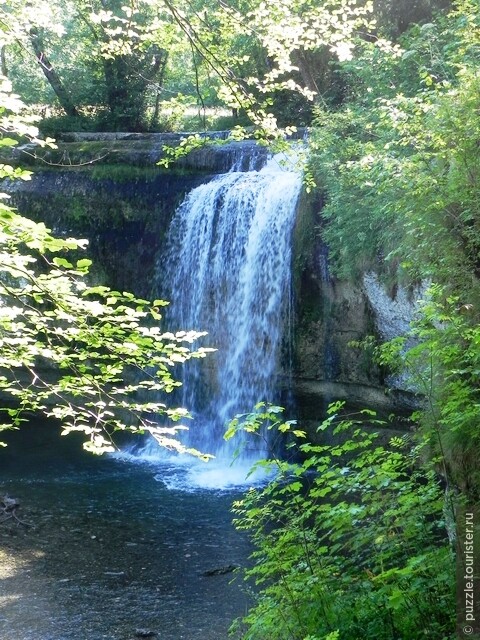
(220, 571)
(144, 633)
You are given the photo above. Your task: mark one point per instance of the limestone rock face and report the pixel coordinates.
(393, 315)
(332, 317)
(124, 215)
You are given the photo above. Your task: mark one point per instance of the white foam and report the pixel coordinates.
(215, 476)
(188, 474)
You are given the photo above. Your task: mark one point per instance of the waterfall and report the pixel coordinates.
(227, 271)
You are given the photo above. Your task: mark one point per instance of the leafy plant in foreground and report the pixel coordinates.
(349, 539)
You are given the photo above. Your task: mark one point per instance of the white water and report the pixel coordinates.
(189, 475)
(227, 271)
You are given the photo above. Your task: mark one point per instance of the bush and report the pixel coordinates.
(352, 539)
(53, 125)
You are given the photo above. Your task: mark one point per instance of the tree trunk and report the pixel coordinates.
(51, 75)
(158, 76)
(3, 61)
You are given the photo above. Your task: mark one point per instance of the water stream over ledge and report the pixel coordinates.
(113, 551)
(227, 271)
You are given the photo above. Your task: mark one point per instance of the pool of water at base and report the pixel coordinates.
(116, 549)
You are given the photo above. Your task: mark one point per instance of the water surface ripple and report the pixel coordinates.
(113, 550)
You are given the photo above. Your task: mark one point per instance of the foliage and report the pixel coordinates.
(94, 358)
(349, 540)
(399, 166)
(126, 62)
(398, 163)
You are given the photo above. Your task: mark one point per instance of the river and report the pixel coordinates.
(118, 547)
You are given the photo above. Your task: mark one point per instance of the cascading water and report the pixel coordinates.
(227, 271)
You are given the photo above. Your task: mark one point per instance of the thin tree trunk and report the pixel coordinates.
(306, 71)
(51, 74)
(3, 61)
(158, 77)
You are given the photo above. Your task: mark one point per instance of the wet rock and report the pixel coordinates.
(220, 571)
(144, 633)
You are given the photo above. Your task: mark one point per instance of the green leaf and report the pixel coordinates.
(83, 264)
(8, 142)
(62, 262)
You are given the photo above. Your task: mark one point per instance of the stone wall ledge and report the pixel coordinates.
(318, 393)
(83, 151)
